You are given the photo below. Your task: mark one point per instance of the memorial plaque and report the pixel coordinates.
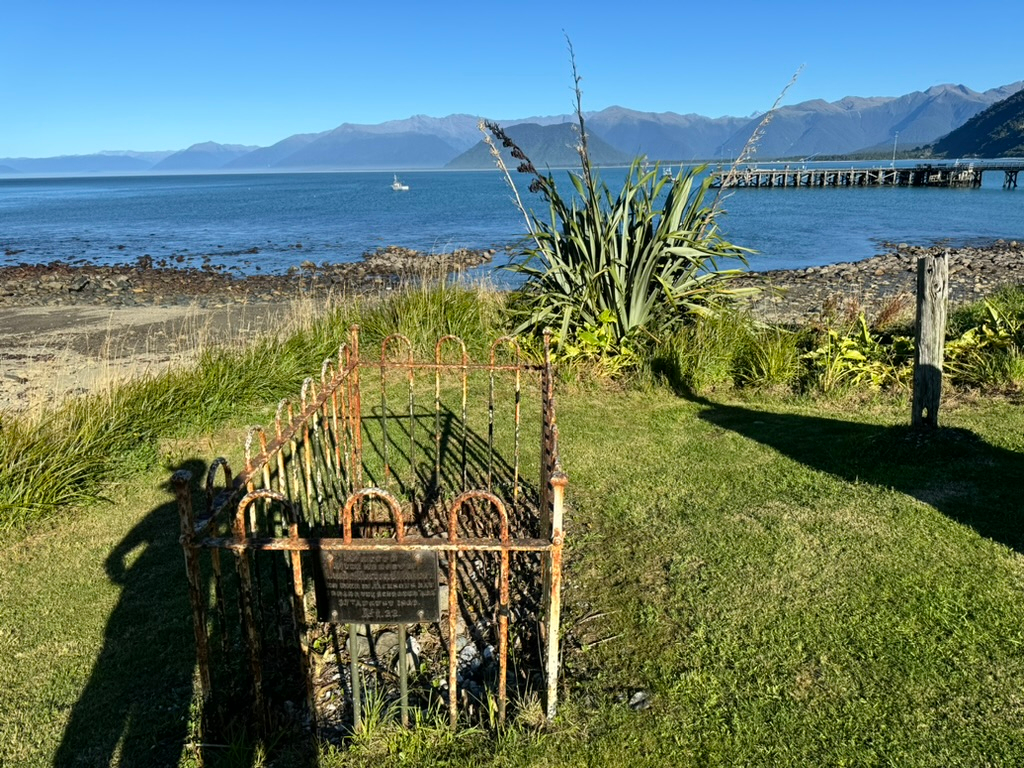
(377, 586)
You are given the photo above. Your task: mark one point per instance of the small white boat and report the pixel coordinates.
(399, 186)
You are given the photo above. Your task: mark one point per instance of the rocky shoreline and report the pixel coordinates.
(788, 296)
(873, 284)
(143, 284)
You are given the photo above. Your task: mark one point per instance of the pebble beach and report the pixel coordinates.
(802, 295)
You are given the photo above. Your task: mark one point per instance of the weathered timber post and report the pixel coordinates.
(932, 294)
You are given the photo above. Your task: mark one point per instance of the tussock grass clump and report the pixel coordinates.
(770, 359)
(703, 355)
(426, 312)
(728, 350)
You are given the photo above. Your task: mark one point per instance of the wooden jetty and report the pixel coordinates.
(958, 174)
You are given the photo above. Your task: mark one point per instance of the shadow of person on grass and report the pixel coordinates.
(953, 470)
(135, 708)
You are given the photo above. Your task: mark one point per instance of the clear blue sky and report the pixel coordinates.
(78, 77)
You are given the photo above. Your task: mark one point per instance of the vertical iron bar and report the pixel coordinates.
(218, 596)
(490, 425)
(515, 465)
(275, 531)
(437, 418)
(453, 618)
(384, 418)
(329, 416)
(465, 419)
(218, 585)
(503, 613)
(503, 610)
(453, 615)
(412, 432)
(336, 440)
(357, 706)
(182, 483)
(357, 410)
(307, 453)
(245, 591)
(298, 490)
(403, 674)
(350, 442)
(299, 617)
(257, 590)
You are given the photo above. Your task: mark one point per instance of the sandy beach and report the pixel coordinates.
(50, 352)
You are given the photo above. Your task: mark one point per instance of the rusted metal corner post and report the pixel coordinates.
(248, 599)
(932, 295)
(182, 484)
(559, 481)
(546, 437)
(553, 482)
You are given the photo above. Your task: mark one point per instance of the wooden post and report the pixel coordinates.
(932, 294)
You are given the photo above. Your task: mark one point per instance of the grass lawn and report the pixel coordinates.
(770, 584)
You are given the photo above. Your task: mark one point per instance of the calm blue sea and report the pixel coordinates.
(269, 222)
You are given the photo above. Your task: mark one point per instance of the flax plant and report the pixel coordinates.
(648, 256)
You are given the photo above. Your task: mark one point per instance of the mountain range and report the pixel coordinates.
(996, 132)
(852, 124)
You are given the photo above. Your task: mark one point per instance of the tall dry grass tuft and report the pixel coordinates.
(896, 311)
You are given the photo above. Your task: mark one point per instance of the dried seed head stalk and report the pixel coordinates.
(582, 149)
(540, 183)
(487, 128)
(750, 148)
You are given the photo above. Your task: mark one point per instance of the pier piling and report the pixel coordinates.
(958, 175)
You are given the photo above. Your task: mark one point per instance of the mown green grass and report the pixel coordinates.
(786, 582)
(787, 596)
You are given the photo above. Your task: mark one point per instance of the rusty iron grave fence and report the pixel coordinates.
(391, 498)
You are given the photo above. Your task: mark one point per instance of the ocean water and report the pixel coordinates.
(270, 222)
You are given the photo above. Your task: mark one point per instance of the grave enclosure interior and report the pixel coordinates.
(395, 538)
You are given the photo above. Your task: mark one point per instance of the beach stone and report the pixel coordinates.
(640, 701)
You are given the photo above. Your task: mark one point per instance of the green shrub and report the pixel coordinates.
(859, 358)
(987, 354)
(1007, 303)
